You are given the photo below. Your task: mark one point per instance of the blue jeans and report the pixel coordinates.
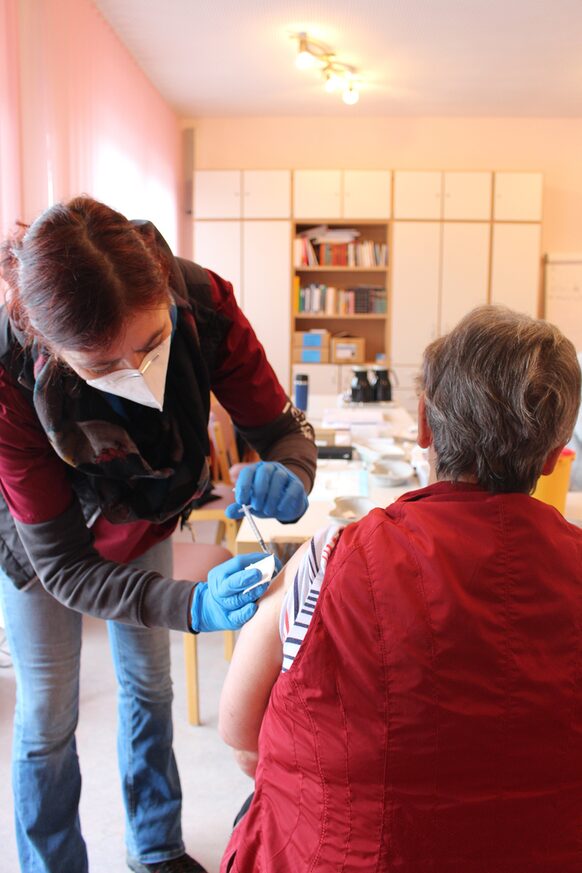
(45, 643)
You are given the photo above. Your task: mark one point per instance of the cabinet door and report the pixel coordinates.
(416, 255)
(323, 380)
(515, 267)
(518, 197)
(266, 193)
(266, 272)
(217, 194)
(467, 195)
(217, 246)
(464, 271)
(417, 194)
(367, 193)
(404, 390)
(317, 194)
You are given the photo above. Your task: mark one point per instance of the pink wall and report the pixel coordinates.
(552, 146)
(91, 120)
(10, 192)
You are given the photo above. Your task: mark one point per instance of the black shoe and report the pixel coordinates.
(183, 864)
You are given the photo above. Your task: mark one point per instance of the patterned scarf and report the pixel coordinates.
(142, 464)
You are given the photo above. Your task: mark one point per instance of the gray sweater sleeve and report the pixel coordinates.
(72, 571)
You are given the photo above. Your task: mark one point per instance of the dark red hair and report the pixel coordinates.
(78, 273)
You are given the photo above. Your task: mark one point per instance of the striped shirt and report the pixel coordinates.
(301, 598)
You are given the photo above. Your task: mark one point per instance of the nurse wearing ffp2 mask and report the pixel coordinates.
(109, 348)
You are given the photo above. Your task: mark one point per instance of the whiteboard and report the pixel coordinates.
(563, 294)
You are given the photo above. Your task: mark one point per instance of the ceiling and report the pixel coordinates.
(414, 57)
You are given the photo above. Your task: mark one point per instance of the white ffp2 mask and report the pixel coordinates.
(145, 385)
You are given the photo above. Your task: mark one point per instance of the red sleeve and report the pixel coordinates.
(244, 382)
(33, 478)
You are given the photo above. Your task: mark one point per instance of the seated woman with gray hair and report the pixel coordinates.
(409, 691)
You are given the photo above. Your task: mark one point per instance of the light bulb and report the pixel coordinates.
(332, 82)
(350, 95)
(305, 59)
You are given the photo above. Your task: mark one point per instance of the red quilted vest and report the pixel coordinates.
(432, 720)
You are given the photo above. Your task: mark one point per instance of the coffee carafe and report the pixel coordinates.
(361, 389)
(381, 385)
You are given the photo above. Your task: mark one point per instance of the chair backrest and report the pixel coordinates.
(220, 453)
(223, 439)
(219, 415)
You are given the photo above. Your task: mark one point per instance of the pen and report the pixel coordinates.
(245, 508)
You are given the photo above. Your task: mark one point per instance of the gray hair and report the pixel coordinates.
(502, 391)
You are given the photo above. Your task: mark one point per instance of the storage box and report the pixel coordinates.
(348, 349)
(318, 339)
(307, 355)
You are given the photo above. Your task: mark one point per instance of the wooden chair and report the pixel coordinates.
(193, 561)
(222, 458)
(223, 436)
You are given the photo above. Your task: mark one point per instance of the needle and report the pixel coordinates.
(246, 509)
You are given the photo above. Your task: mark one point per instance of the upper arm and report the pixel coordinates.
(255, 665)
(33, 478)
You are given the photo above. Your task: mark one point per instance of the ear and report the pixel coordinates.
(551, 461)
(424, 432)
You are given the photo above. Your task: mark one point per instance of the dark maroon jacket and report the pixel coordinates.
(46, 526)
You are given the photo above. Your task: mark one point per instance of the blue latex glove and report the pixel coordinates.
(271, 491)
(219, 604)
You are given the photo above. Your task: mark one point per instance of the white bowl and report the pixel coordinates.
(388, 473)
(348, 509)
(375, 448)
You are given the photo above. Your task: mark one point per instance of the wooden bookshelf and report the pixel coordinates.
(373, 326)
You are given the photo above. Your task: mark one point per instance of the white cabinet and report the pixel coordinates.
(266, 260)
(323, 378)
(347, 194)
(467, 196)
(518, 197)
(242, 194)
(218, 247)
(515, 266)
(404, 387)
(417, 194)
(317, 193)
(464, 271)
(256, 257)
(217, 194)
(416, 255)
(266, 194)
(367, 193)
(450, 195)
(440, 271)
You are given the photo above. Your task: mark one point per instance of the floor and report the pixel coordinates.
(212, 784)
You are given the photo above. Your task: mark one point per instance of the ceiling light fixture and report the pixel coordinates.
(337, 76)
(306, 58)
(350, 94)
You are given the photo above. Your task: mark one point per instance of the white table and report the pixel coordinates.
(337, 478)
(334, 478)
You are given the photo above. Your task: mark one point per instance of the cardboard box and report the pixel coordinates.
(306, 355)
(348, 350)
(318, 339)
